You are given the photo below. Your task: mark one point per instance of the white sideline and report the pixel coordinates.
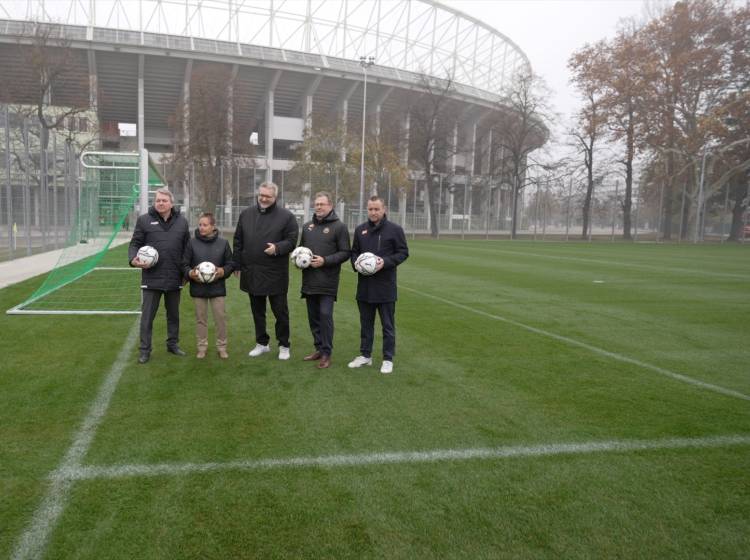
(591, 348)
(32, 542)
(75, 473)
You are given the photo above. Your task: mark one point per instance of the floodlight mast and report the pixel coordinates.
(365, 62)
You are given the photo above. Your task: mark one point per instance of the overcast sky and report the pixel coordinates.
(548, 31)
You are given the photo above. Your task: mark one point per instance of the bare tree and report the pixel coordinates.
(589, 66)
(432, 121)
(46, 83)
(523, 123)
(209, 144)
(318, 160)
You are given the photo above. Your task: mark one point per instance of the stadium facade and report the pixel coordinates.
(292, 64)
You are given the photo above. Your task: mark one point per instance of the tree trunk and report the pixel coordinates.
(432, 196)
(587, 200)
(735, 231)
(627, 205)
(513, 218)
(43, 178)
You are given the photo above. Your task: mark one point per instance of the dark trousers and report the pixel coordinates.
(320, 317)
(280, 312)
(387, 312)
(149, 307)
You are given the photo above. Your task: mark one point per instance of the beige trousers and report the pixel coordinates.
(201, 318)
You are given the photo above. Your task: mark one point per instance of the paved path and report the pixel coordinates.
(18, 270)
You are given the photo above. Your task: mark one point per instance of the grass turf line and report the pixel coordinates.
(500, 387)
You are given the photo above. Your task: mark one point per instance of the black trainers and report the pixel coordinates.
(176, 351)
(143, 357)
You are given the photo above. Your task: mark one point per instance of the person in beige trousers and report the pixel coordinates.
(208, 245)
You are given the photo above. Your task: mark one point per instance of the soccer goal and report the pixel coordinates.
(91, 276)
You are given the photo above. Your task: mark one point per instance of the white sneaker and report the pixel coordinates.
(284, 353)
(387, 367)
(258, 350)
(360, 361)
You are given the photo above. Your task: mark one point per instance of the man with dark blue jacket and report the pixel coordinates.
(377, 292)
(266, 233)
(327, 237)
(165, 229)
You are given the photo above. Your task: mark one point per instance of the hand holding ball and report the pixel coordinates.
(366, 264)
(147, 256)
(205, 272)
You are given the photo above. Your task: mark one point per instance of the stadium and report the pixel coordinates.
(287, 70)
(547, 400)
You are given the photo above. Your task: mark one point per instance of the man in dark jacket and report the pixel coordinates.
(328, 239)
(165, 229)
(377, 293)
(265, 234)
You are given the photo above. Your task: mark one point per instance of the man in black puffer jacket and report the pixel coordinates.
(265, 234)
(165, 229)
(328, 239)
(209, 246)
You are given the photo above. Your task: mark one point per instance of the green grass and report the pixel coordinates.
(469, 373)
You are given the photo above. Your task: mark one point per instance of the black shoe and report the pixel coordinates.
(144, 357)
(176, 351)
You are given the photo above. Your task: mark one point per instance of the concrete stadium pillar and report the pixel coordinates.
(142, 136)
(343, 112)
(270, 99)
(405, 136)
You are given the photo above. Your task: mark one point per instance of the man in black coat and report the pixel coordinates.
(165, 229)
(377, 293)
(265, 234)
(327, 237)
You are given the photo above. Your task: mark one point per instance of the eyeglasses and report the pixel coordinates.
(266, 196)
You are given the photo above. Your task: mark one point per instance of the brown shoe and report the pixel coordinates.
(325, 362)
(201, 354)
(223, 354)
(312, 357)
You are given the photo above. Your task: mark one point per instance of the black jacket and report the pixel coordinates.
(169, 239)
(387, 241)
(329, 239)
(213, 249)
(264, 275)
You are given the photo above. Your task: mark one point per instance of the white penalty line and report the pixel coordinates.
(78, 473)
(595, 349)
(32, 542)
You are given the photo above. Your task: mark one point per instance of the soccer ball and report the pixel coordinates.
(148, 256)
(301, 257)
(366, 264)
(206, 272)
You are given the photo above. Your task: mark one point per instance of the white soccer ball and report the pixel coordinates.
(366, 264)
(148, 255)
(301, 257)
(206, 272)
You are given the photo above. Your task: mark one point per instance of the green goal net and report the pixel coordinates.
(91, 275)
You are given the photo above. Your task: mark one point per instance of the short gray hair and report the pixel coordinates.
(270, 185)
(324, 194)
(165, 191)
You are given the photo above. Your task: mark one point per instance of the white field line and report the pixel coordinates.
(32, 542)
(76, 473)
(595, 349)
(657, 268)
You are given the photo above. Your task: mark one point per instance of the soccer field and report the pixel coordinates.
(548, 401)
